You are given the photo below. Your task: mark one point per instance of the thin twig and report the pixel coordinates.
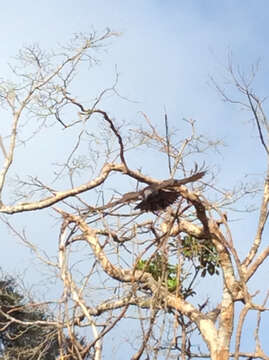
(168, 143)
(257, 121)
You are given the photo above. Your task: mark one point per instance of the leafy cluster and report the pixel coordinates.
(160, 269)
(202, 252)
(18, 339)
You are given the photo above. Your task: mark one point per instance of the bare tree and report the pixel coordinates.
(132, 249)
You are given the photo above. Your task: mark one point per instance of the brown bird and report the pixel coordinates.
(160, 196)
(155, 196)
(156, 199)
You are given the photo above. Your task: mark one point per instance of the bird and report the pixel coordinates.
(154, 199)
(159, 196)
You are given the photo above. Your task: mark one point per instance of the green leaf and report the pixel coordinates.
(172, 284)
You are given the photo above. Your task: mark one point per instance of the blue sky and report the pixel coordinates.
(165, 54)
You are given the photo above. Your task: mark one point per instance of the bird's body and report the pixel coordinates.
(157, 199)
(160, 196)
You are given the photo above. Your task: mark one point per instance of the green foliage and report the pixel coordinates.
(159, 269)
(19, 340)
(203, 252)
(23, 339)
